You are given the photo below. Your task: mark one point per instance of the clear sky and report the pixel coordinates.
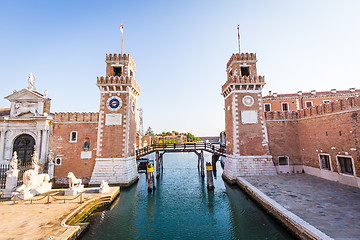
(180, 48)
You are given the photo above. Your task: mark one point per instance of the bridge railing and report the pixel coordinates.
(181, 147)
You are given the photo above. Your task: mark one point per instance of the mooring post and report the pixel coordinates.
(150, 177)
(162, 161)
(209, 176)
(157, 164)
(202, 163)
(214, 159)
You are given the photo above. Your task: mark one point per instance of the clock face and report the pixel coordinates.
(114, 103)
(133, 106)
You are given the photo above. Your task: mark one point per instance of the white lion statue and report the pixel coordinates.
(22, 108)
(32, 180)
(73, 181)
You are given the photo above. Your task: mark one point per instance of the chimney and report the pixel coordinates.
(352, 90)
(270, 92)
(313, 92)
(275, 94)
(299, 93)
(333, 90)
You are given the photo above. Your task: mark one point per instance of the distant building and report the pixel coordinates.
(302, 100)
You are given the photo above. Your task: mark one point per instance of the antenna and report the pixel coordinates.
(238, 28)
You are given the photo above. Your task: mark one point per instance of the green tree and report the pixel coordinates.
(149, 132)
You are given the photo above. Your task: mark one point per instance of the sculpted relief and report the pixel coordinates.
(24, 108)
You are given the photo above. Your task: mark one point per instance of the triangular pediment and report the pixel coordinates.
(25, 95)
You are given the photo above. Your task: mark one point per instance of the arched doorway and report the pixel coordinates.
(24, 146)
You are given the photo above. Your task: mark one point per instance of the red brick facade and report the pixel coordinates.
(300, 100)
(315, 132)
(67, 151)
(328, 129)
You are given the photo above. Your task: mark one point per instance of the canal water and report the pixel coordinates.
(182, 208)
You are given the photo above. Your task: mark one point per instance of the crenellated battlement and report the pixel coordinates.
(76, 117)
(281, 115)
(115, 80)
(337, 106)
(247, 79)
(256, 82)
(118, 57)
(241, 57)
(351, 103)
(117, 83)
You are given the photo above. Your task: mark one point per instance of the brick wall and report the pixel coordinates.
(85, 124)
(331, 128)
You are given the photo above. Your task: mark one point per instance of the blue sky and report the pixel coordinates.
(180, 48)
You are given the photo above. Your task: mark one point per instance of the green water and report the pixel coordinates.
(183, 208)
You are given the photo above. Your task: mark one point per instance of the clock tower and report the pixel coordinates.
(116, 137)
(245, 125)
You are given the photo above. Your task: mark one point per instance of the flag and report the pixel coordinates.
(122, 28)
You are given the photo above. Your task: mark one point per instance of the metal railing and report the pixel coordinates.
(3, 169)
(48, 197)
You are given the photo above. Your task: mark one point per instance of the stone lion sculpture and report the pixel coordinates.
(32, 180)
(22, 108)
(73, 181)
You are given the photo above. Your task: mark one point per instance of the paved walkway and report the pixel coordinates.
(331, 207)
(40, 220)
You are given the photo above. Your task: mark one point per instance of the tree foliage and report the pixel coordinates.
(149, 132)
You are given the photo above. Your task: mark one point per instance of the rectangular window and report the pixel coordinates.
(73, 136)
(285, 106)
(345, 165)
(267, 107)
(308, 104)
(325, 161)
(245, 71)
(117, 71)
(284, 160)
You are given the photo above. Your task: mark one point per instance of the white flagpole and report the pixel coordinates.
(122, 39)
(238, 28)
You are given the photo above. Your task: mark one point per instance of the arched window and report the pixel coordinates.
(24, 146)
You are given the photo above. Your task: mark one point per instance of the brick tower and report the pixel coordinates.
(116, 138)
(245, 126)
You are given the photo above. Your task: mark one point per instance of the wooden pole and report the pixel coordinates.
(214, 159)
(202, 164)
(157, 164)
(162, 162)
(199, 159)
(150, 176)
(209, 176)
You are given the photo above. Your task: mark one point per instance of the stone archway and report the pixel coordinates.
(24, 146)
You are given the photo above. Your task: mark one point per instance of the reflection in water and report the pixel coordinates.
(182, 208)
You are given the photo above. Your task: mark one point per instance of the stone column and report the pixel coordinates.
(51, 169)
(43, 146)
(11, 182)
(2, 145)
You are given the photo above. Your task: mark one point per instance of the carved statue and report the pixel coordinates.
(32, 180)
(73, 181)
(31, 81)
(14, 161)
(51, 157)
(104, 187)
(35, 159)
(22, 108)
